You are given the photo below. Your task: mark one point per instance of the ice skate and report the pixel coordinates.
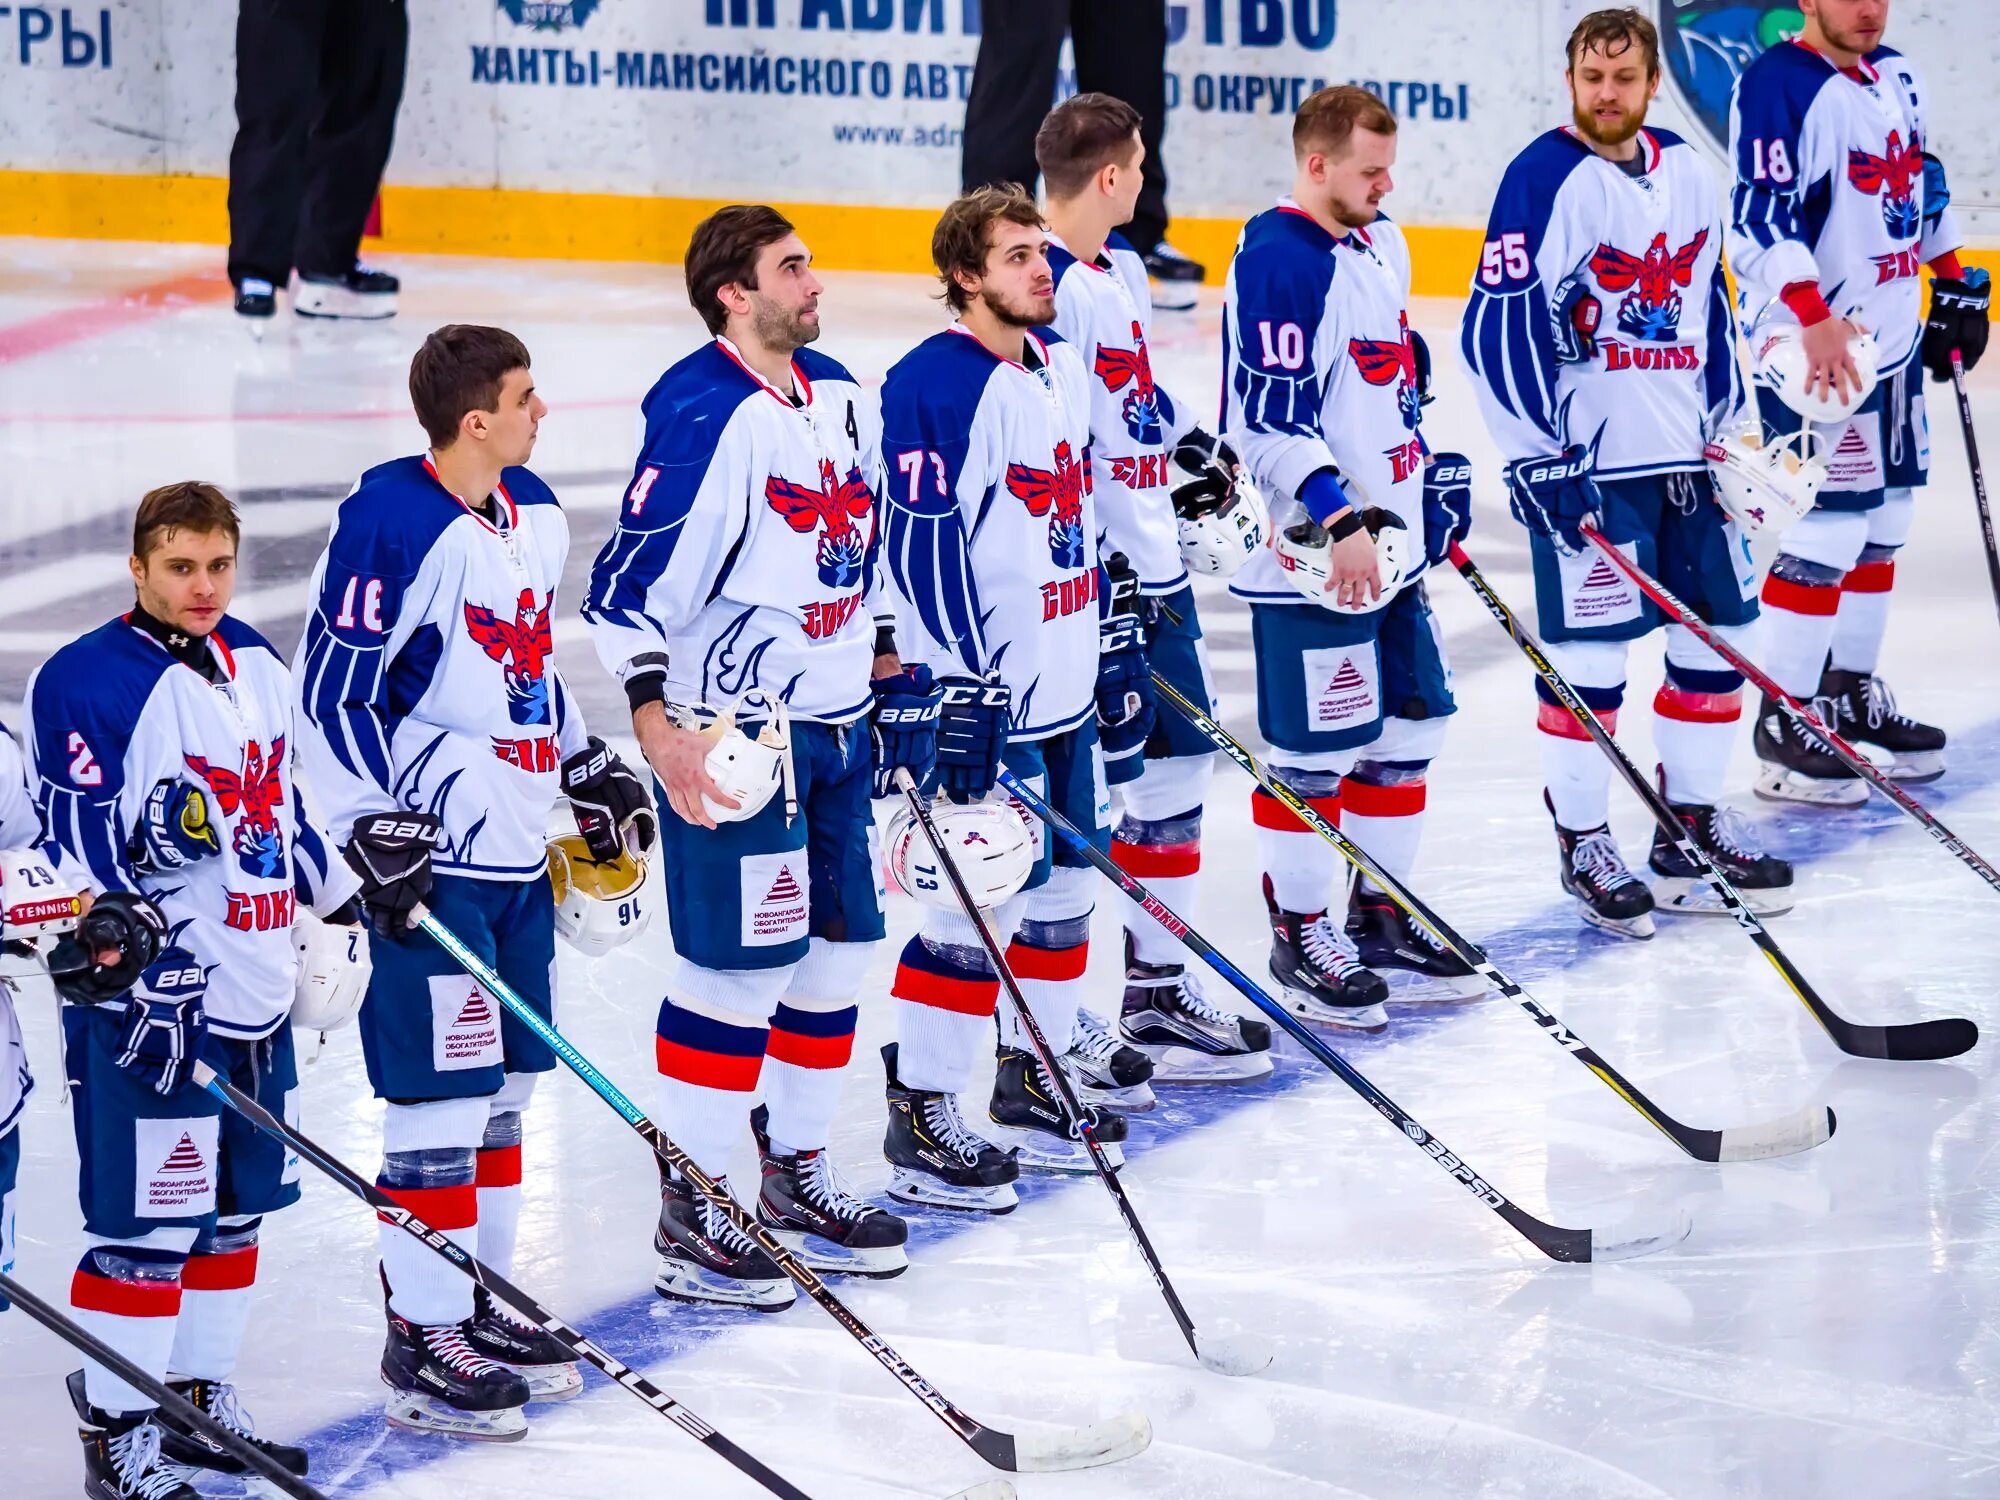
(533, 1353)
(1608, 894)
(1027, 1110)
(1387, 937)
(806, 1206)
(1104, 1070)
(705, 1257)
(937, 1160)
(1795, 765)
(438, 1384)
(1868, 716)
(1321, 973)
(1166, 1016)
(1763, 880)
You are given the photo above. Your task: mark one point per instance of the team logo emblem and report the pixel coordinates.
(549, 15)
(255, 792)
(1118, 368)
(1894, 175)
(1057, 494)
(1382, 361)
(522, 646)
(831, 509)
(1651, 282)
(1706, 45)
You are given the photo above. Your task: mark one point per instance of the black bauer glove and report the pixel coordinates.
(117, 921)
(613, 812)
(391, 852)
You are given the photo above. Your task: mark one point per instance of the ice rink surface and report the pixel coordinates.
(1831, 1328)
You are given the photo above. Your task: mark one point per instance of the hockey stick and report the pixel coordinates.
(1978, 474)
(1774, 1138)
(1102, 1442)
(182, 1409)
(1805, 718)
(390, 1211)
(1917, 1039)
(1552, 1240)
(1229, 1354)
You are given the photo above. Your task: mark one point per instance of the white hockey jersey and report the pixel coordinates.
(20, 827)
(1830, 188)
(1318, 371)
(112, 715)
(989, 526)
(1104, 311)
(426, 677)
(746, 545)
(1648, 247)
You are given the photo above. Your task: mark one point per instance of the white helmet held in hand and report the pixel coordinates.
(37, 906)
(1765, 487)
(989, 842)
(600, 904)
(750, 771)
(332, 974)
(1779, 361)
(1220, 532)
(1305, 551)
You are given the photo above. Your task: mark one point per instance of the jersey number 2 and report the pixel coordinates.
(83, 767)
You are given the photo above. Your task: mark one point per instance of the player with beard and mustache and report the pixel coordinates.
(1599, 334)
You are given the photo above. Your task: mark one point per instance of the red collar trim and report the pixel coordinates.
(506, 500)
(1863, 70)
(1040, 347)
(805, 385)
(1288, 206)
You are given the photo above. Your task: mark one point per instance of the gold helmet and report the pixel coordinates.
(600, 904)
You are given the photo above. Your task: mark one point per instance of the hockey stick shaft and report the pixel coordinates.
(168, 1400)
(1798, 712)
(1978, 474)
(439, 1242)
(1553, 1241)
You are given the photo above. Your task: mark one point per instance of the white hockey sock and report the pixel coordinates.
(1386, 821)
(1158, 843)
(216, 1285)
(1696, 713)
(128, 1293)
(1798, 629)
(428, 1166)
(945, 993)
(1300, 865)
(1863, 616)
(713, 1032)
(812, 1039)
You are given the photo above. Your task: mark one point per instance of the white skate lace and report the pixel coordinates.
(142, 1474)
(226, 1408)
(720, 1227)
(1329, 947)
(1198, 1005)
(941, 1116)
(446, 1341)
(1093, 1041)
(1881, 704)
(1827, 711)
(1732, 834)
(821, 1181)
(1597, 859)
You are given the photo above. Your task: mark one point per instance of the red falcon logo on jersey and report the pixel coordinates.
(1382, 361)
(834, 506)
(1894, 175)
(1651, 308)
(256, 791)
(1118, 368)
(1057, 494)
(522, 646)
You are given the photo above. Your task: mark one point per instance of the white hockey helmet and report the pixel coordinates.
(600, 904)
(989, 842)
(37, 906)
(1220, 533)
(1304, 550)
(332, 973)
(1779, 361)
(1764, 487)
(751, 771)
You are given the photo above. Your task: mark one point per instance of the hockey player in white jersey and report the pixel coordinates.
(991, 539)
(161, 749)
(1601, 345)
(438, 733)
(1323, 382)
(1838, 204)
(1149, 458)
(739, 579)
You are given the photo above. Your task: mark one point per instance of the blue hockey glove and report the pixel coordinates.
(972, 730)
(1574, 313)
(1555, 497)
(164, 1022)
(904, 728)
(1447, 503)
(1125, 705)
(1957, 321)
(174, 829)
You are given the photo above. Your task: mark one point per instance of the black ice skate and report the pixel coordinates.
(438, 1384)
(356, 293)
(804, 1204)
(256, 298)
(532, 1353)
(1104, 1070)
(1028, 1109)
(705, 1257)
(1322, 975)
(1763, 880)
(122, 1457)
(1796, 765)
(184, 1444)
(1386, 937)
(1868, 716)
(1166, 1016)
(1174, 279)
(1593, 871)
(937, 1160)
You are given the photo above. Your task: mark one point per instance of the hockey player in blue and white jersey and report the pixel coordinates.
(1601, 344)
(438, 734)
(991, 540)
(1148, 455)
(161, 747)
(1323, 381)
(739, 579)
(1838, 203)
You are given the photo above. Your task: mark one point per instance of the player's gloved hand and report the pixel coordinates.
(1447, 503)
(391, 852)
(613, 812)
(110, 947)
(1574, 313)
(904, 728)
(1198, 450)
(972, 730)
(164, 1021)
(1555, 497)
(1125, 702)
(1420, 356)
(174, 829)
(1957, 321)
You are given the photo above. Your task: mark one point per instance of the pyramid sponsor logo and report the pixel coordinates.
(1852, 466)
(176, 1176)
(774, 905)
(465, 1028)
(1342, 689)
(1602, 596)
(183, 1159)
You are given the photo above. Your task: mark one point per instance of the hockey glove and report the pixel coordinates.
(904, 728)
(164, 1021)
(1957, 321)
(174, 829)
(1125, 705)
(1447, 504)
(1555, 497)
(1574, 313)
(613, 812)
(1420, 356)
(972, 730)
(118, 922)
(1197, 451)
(391, 852)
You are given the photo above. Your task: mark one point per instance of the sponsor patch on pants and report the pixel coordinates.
(1343, 687)
(173, 1167)
(774, 898)
(1854, 454)
(1595, 592)
(465, 1025)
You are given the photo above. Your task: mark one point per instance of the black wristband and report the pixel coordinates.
(885, 640)
(1344, 525)
(650, 687)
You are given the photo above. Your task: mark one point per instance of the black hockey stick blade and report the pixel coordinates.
(1913, 1041)
(1066, 1448)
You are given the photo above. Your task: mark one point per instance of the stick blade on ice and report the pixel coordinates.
(1641, 1234)
(1234, 1352)
(1928, 1041)
(1799, 1132)
(1089, 1447)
